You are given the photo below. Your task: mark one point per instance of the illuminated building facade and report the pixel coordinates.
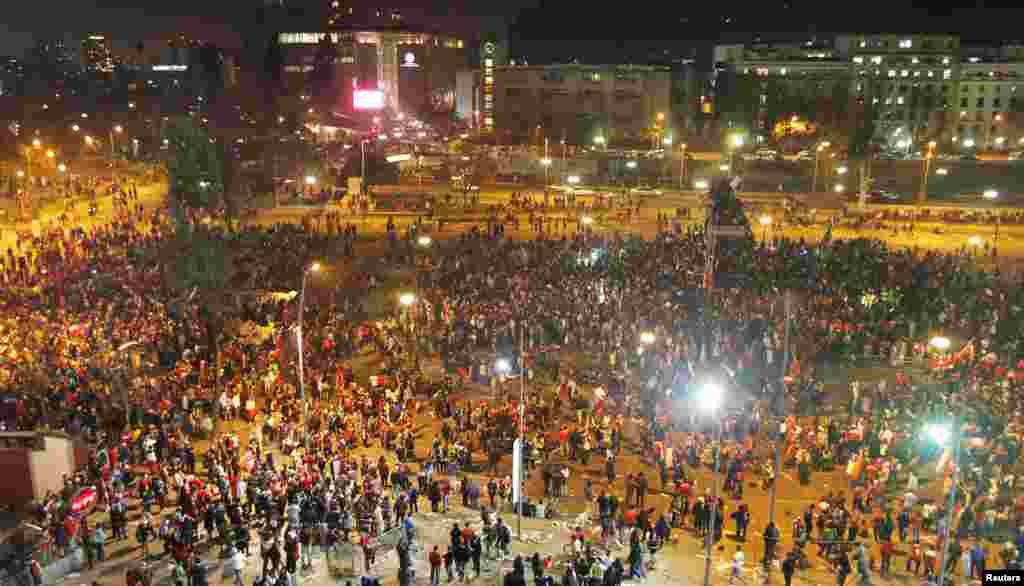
(96, 56)
(415, 70)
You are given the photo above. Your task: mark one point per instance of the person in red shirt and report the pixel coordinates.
(435, 566)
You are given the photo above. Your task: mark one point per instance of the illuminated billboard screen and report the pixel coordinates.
(368, 100)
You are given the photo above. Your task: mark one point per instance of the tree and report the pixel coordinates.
(861, 136)
(197, 256)
(194, 168)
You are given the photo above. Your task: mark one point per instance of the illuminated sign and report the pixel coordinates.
(409, 60)
(170, 67)
(368, 100)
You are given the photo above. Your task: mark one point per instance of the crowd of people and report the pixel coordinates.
(222, 441)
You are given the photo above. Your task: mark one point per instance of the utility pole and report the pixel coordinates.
(776, 453)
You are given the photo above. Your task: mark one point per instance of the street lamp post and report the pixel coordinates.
(941, 435)
(302, 374)
(736, 142)
(817, 162)
(710, 401)
(923, 196)
(682, 166)
(992, 195)
(118, 129)
(407, 300)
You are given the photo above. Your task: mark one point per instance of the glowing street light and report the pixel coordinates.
(723, 168)
(940, 433)
(36, 143)
(709, 397)
(647, 337)
(737, 140)
(75, 127)
(88, 140)
(700, 184)
(573, 179)
(20, 173)
(587, 220)
(545, 162)
(941, 343)
(765, 220)
(502, 365)
(942, 171)
(599, 140)
(118, 129)
(407, 299)
(839, 188)
(991, 194)
(969, 143)
(424, 241)
(310, 180)
(631, 164)
(50, 154)
(62, 167)
(842, 169)
(667, 141)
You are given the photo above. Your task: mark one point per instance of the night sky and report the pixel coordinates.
(129, 21)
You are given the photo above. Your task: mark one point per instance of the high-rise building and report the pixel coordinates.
(96, 56)
(52, 52)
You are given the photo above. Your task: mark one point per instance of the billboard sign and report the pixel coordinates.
(368, 100)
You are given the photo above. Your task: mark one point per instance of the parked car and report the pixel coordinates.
(768, 155)
(645, 190)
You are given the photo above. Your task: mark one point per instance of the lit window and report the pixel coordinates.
(858, 60)
(877, 60)
(904, 73)
(488, 62)
(906, 44)
(488, 79)
(458, 44)
(783, 71)
(863, 44)
(914, 60)
(899, 100)
(947, 73)
(945, 60)
(931, 74)
(892, 73)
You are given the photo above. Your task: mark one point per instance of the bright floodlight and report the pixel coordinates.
(939, 432)
(942, 171)
(765, 220)
(940, 343)
(62, 167)
(700, 184)
(969, 143)
(991, 194)
(839, 188)
(598, 140)
(737, 140)
(710, 397)
(502, 365)
(647, 337)
(314, 268)
(631, 164)
(424, 240)
(573, 179)
(407, 299)
(310, 180)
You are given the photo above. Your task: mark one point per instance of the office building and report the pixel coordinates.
(618, 103)
(926, 86)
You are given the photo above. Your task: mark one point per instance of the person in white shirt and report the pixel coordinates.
(737, 566)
